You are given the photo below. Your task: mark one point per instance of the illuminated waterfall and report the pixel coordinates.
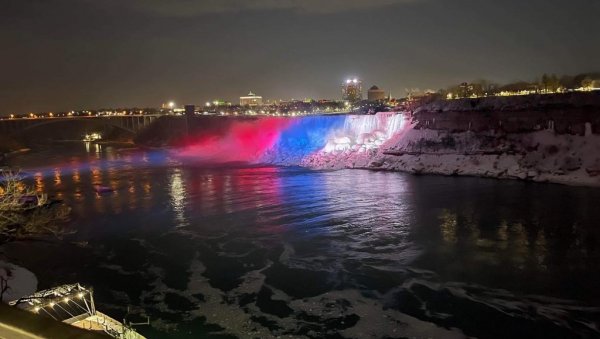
(289, 140)
(365, 132)
(334, 134)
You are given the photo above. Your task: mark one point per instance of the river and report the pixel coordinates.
(260, 252)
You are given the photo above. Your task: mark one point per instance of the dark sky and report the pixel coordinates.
(75, 54)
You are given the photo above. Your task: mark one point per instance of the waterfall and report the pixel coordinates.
(360, 124)
(395, 125)
(365, 132)
(288, 140)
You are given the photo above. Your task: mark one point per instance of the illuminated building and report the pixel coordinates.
(217, 103)
(352, 90)
(375, 94)
(168, 105)
(251, 100)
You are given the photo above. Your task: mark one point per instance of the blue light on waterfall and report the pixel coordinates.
(309, 134)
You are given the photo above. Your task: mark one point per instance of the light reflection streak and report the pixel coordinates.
(57, 179)
(39, 183)
(76, 175)
(98, 148)
(178, 196)
(510, 241)
(448, 226)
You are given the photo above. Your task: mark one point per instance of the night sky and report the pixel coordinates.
(76, 54)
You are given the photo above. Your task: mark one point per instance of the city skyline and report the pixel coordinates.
(139, 54)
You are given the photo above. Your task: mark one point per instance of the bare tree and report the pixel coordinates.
(587, 82)
(24, 212)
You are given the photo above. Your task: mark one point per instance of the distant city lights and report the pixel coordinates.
(352, 101)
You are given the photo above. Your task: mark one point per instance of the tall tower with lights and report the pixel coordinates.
(352, 90)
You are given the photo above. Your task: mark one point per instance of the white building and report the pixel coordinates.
(251, 100)
(375, 94)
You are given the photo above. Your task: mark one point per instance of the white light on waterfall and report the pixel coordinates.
(365, 132)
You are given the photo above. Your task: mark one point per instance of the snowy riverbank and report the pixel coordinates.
(386, 143)
(19, 281)
(538, 156)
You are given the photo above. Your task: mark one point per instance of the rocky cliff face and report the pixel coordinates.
(555, 140)
(538, 156)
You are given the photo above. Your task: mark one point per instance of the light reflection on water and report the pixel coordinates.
(351, 229)
(178, 197)
(320, 204)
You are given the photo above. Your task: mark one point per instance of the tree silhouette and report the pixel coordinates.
(24, 213)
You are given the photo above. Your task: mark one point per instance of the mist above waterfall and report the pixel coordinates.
(240, 141)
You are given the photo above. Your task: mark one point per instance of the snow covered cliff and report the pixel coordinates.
(538, 156)
(544, 143)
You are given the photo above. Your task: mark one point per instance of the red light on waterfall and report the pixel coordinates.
(243, 141)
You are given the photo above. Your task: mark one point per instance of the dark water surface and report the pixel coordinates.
(266, 252)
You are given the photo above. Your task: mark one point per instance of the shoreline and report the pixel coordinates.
(556, 180)
(541, 156)
(543, 180)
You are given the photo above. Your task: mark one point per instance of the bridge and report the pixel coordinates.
(16, 127)
(129, 123)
